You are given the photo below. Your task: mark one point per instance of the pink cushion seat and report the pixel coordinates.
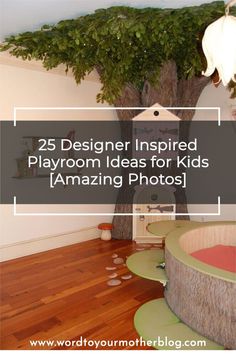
(220, 256)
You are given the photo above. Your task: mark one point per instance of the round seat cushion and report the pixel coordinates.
(163, 228)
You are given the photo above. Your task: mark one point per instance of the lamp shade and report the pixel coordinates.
(219, 46)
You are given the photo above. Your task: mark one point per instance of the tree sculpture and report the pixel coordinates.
(143, 56)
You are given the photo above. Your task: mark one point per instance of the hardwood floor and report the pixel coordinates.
(63, 294)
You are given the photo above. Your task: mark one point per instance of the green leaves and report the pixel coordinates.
(128, 45)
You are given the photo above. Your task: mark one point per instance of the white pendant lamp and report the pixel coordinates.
(219, 46)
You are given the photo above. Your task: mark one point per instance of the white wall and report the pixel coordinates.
(214, 97)
(27, 15)
(23, 87)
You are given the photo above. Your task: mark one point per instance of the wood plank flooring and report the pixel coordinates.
(62, 294)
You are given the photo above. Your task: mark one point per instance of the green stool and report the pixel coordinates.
(163, 228)
(154, 321)
(144, 264)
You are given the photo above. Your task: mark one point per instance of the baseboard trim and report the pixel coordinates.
(41, 244)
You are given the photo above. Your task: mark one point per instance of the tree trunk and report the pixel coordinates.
(165, 93)
(168, 93)
(122, 225)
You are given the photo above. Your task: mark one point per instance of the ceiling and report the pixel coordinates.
(23, 15)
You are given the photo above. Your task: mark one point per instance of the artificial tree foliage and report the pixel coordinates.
(127, 45)
(143, 56)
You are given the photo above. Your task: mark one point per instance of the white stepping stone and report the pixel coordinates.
(113, 275)
(126, 277)
(113, 282)
(110, 268)
(118, 260)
